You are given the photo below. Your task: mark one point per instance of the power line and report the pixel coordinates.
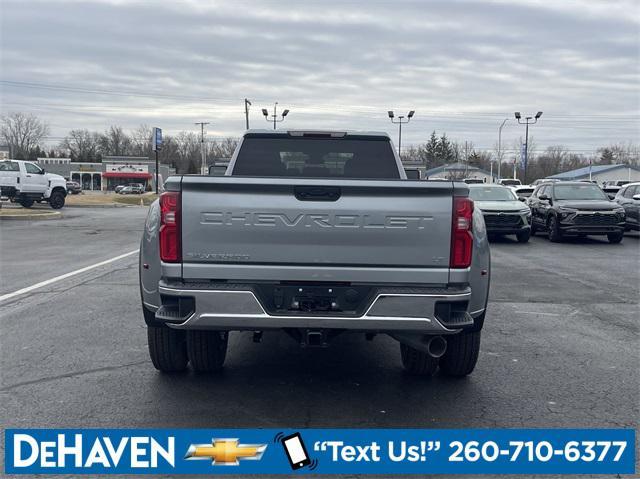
(334, 107)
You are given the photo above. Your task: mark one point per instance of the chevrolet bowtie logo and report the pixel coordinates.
(226, 452)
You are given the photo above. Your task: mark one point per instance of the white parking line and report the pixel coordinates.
(63, 276)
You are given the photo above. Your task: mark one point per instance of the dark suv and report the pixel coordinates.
(575, 208)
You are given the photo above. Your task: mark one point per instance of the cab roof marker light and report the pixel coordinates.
(332, 134)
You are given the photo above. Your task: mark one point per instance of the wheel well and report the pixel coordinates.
(59, 189)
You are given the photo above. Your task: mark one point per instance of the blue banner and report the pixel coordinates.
(320, 451)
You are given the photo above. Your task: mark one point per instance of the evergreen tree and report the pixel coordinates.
(445, 151)
(607, 157)
(431, 151)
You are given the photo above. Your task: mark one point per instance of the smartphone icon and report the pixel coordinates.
(296, 452)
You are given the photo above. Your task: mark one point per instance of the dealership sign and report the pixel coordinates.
(320, 451)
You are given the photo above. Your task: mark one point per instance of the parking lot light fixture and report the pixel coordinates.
(527, 121)
(400, 121)
(274, 117)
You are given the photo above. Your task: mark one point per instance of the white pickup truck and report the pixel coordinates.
(25, 182)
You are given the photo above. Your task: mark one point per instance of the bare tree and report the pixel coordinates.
(82, 145)
(115, 142)
(141, 140)
(223, 149)
(188, 152)
(549, 162)
(22, 133)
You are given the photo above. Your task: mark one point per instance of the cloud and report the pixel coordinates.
(463, 66)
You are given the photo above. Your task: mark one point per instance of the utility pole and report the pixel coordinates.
(527, 121)
(247, 104)
(400, 121)
(466, 160)
(202, 152)
(275, 115)
(500, 147)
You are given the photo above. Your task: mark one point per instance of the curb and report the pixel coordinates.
(110, 205)
(53, 215)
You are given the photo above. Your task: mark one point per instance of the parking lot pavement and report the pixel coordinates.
(33, 251)
(560, 348)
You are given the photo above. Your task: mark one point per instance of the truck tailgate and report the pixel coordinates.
(331, 225)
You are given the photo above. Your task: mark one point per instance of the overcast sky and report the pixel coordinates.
(463, 66)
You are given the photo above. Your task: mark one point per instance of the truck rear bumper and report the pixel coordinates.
(239, 309)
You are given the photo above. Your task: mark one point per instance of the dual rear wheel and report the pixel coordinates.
(171, 350)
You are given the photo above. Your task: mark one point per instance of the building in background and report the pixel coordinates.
(105, 176)
(5, 152)
(601, 173)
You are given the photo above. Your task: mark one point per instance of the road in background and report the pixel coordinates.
(560, 347)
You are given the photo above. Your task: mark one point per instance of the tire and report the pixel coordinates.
(555, 236)
(207, 350)
(533, 230)
(462, 354)
(615, 238)
(26, 202)
(56, 200)
(523, 236)
(416, 362)
(167, 349)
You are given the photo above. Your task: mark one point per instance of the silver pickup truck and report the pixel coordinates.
(315, 234)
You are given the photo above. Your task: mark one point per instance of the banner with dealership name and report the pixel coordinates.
(320, 451)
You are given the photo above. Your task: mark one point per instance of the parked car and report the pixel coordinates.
(509, 182)
(522, 191)
(629, 198)
(74, 188)
(25, 182)
(503, 213)
(615, 183)
(474, 181)
(611, 191)
(544, 180)
(318, 234)
(575, 208)
(132, 190)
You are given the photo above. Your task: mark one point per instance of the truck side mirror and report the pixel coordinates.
(543, 198)
(636, 197)
(522, 198)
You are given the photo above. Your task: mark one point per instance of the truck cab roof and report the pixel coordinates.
(260, 132)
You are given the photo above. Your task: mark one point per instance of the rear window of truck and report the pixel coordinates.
(9, 166)
(317, 158)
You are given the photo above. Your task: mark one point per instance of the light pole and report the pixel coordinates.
(247, 104)
(527, 121)
(275, 115)
(400, 121)
(203, 166)
(500, 147)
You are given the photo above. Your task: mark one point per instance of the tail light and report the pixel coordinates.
(461, 233)
(170, 248)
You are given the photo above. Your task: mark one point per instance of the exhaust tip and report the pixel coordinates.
(437, 346)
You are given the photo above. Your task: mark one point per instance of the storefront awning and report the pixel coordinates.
(112, 174)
